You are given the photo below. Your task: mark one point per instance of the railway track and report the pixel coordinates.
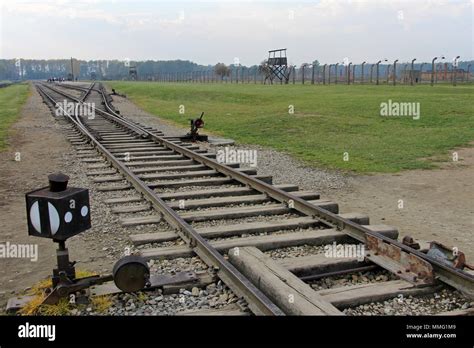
(236, 221)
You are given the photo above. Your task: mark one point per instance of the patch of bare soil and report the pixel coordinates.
(426, 204)
(39, 140)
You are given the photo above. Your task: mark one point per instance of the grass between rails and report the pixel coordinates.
(327, 121)
(12, 99)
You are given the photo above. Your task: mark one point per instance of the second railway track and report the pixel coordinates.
(236, 221)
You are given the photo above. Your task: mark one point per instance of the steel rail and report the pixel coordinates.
(78, 88)
(457, 278)
(115, 117)
(88, 91)
(258, 302)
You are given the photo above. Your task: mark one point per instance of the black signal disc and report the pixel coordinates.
(131, 273)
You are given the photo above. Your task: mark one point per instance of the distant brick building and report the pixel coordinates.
(447, 75)
(407, 76)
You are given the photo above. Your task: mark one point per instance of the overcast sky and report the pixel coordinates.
(207, 32)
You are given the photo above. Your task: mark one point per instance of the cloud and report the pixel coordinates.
(220, 30)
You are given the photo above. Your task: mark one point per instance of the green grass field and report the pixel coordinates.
(12, 99)
(327, 121)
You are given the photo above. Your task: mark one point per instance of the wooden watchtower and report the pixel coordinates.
(132, 73)
(278, 66)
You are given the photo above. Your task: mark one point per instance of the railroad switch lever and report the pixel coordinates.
(117, 94)
(59, 212)
(64, 278)
(193, 134)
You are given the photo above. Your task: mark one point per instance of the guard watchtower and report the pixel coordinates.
(132, 73)
(278, 65)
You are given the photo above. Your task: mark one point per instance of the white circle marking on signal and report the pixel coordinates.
(53, 218)
(34, 216)
(84, 211)
(68, 217)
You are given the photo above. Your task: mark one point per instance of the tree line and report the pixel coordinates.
(33, 69)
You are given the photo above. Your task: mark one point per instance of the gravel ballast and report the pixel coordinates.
(108, 240)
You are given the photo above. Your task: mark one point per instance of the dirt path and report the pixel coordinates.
(18, 177)
(39, 139)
